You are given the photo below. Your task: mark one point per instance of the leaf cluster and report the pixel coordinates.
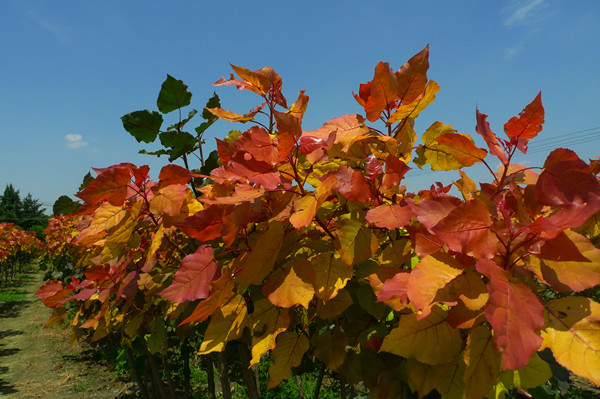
(306, 244)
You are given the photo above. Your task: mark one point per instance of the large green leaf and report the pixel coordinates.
(173, 94)
(65, 205)
(143, 125)
(179, 142)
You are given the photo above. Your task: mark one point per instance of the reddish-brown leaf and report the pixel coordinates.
(515, 314)
(566, 179)
(257, 142)
(412, 76)
(173, 174)
(289, 131)
(395, 169)
(395, 288)
(192, 280)
(390, 216)
(384, 91)
(111, 185)
(431, 210)
(529, 122)
(205, 225)
(467, 229)
(483, 128)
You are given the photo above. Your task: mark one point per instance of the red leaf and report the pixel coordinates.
(483, 128)
(467, 229)
(395, 287)
(561, 249)
(390, 216)
(308, 144)
(111, 185)
(566, 179)
(529, 122)
(430, 211)
(384, 91)
(205, 225)
(192, 280)
(395, 169)
(49, 289)
(173, 174)
(289, 130)
(257, 142)
(412, 77)
(515, 313)
(373, 167)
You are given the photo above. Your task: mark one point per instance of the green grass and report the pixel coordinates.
(12, 295)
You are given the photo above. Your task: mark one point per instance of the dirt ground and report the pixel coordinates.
(40, 363)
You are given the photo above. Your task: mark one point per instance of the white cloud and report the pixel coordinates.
(75, 141)
(57, 31)
(526, 12)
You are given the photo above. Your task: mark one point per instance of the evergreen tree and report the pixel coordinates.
(27, 213)
(10, 205)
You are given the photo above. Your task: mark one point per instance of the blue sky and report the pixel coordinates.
(70, 70)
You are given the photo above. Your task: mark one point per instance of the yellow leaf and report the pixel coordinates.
(446, 378)
(258, 263)
(573, 334)
(226, 323)
(330, 348)
(414, 108)
(229, 115)
(267, 322)
(430, 340)
(444, 149)
(290, 285)
(335, 306)
(288, 353)
(536, 373)
(484, 363)
(330, 275)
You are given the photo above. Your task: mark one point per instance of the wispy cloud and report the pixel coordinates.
(55, 29)
(526, 13)
(511, 52)
(75, 141)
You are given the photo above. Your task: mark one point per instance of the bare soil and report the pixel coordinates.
(40, 363)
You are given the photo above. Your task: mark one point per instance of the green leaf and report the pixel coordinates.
(213, 102)
(179, 125)
(179, 142)
(65, 205)
(210, 163)
(173, 94)
(157, 153)
(143, 125)
(87, 179)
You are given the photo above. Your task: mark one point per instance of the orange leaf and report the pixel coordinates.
(260, 81)
(229, 115)
(289, 130)
(428, 277)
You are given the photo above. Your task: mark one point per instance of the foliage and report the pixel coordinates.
(306, 245)
(17, 249)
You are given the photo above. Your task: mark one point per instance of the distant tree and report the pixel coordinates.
(26, 213)
(10, 205)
